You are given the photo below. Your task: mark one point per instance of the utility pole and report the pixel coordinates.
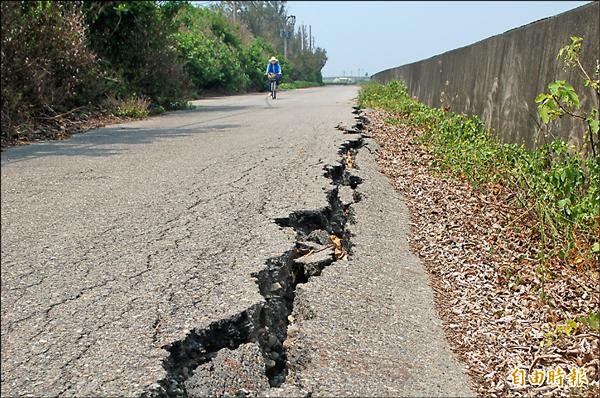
(310, 37)
(302, 38)
(234, 11)
(285, 33)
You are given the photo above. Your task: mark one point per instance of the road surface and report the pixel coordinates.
(128, 249)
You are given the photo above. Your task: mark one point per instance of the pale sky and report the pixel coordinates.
(373, 36)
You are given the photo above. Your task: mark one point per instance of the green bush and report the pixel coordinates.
(255, 59)
(212, 52)
(156, 109)
(133, 107)
(133, 39)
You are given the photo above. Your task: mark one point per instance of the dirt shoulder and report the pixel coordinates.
(61, 127)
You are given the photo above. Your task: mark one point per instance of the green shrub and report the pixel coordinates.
(255, 59)
(172, 105)
(134, 107)
(212, 52)
(134, 40)
(45, 62)
(556, 180)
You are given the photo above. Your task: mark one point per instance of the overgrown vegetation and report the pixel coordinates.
(47, 67)
(562, 99)
(510, 236)
(136, 108)
(558, 182)
(267, 19)
(131, 58)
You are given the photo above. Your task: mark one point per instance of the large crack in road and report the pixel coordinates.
(216, 261)
(266, 324)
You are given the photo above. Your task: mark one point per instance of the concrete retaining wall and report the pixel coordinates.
(498, 78)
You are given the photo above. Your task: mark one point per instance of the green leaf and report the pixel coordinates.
(549, 110)
(592, 320)
(568, 327)
(564, 202)
(122, 8)
(542, 98)
(594, 124)
(556, 86)
(570, 93)
(596, 247)
(543, 111)
(576, 40)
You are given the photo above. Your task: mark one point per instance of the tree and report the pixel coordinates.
(562, 99)
(265, 19)
(212, 50)
(134, 40)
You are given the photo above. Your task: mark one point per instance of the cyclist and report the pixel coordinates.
(274, 67)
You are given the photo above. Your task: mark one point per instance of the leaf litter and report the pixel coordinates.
(501, 311)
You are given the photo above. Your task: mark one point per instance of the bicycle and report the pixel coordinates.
(273, 85)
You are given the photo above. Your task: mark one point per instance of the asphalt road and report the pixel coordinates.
(125, 239)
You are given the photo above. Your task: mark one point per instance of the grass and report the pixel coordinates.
(134, 107)
(142, 107)
(556, 180)
(298, 84)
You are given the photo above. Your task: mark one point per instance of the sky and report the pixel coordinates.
(376, 35)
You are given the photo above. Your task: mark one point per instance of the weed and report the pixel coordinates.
(134, 107)
(557, 180)
(298, 84)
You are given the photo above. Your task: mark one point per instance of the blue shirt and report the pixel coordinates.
(276, 68)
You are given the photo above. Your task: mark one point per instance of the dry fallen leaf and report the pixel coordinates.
(480, 250)
(338, 248)
(349, 160)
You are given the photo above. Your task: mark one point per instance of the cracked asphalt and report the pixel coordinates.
(121, 240)
(367, 326)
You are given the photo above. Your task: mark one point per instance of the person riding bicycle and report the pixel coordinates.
(274, 68)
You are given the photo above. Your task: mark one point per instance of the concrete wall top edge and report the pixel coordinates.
(516, 30)
(498, 78)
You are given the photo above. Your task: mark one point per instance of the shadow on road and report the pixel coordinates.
(108, 141)
(200, 107)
